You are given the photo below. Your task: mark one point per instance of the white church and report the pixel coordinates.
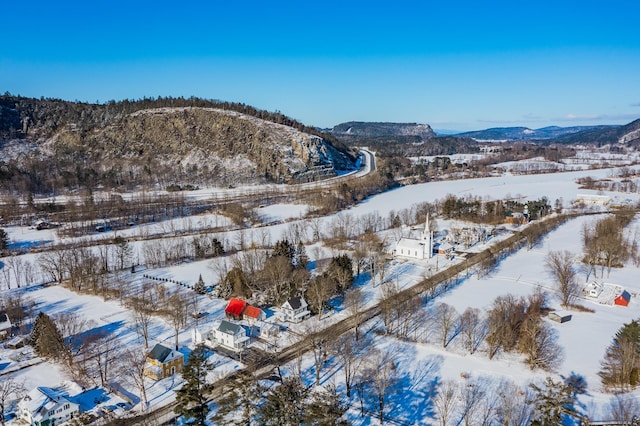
(416, 248)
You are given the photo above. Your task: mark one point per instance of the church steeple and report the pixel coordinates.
(426, 233)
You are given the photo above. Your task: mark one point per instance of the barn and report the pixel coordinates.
(623, 299)
(235, 308)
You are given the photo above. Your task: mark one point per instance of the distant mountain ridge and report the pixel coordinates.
(400, 139)
(375, 129)
(522, 133)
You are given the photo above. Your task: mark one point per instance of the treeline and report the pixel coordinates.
(476, 209)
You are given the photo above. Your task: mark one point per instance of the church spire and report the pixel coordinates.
(425, 233)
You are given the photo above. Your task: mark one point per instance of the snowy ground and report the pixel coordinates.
(584, 339)
(519, 274)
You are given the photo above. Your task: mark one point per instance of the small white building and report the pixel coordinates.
(46, 406)
(295, 309)
(593, 289)
(416, 248)
(230, 335)
(5, 326)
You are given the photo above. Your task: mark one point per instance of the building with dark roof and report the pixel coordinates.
(163, 362)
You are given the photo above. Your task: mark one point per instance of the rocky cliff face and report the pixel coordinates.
(186, 145)
(234, 147)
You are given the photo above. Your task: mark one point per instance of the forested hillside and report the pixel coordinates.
(52, 145)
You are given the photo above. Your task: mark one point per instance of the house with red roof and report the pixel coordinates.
(252, 314)
(235, 308)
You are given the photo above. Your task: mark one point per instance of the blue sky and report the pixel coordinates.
(453, 64)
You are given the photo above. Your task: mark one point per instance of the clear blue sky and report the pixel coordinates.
(453, 64)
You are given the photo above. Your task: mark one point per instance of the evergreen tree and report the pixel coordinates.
(217, 248)
(552, 403)
(191, 398)
(4, 239)
(238, 403)
(326, 408)
(285, 405)
(284, 248)
(300, 260)
(621, 365)
(199, 287)
(46, 339)
(341, 270)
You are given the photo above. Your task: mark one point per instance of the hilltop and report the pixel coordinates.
(158, 142)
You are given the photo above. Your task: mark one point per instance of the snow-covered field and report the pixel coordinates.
(584, 338)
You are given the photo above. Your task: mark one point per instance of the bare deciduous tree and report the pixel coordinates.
(445, 401)
(447, 321)
(382, 374)
(355, 301)
(473, 329)
(514, 407)
(142, 315)
(132, 365)
(559, 265)
(539, 344)
(472, 395)
(10, 388)
(347, 349)
(176, 313)
(623, 408)
(319, 291)
(319, 347)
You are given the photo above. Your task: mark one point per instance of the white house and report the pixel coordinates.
(46, 407)
(5, 326)
(593, 289)
(230, 335)
(295, 309)
(416, 248)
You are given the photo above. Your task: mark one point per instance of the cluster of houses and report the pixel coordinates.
(44, 406)
(242, 322)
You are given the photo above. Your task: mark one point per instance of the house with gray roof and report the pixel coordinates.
(295, 309)
(230, 335)
(163, 362)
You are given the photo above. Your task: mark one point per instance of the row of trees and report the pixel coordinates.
(476, 209)
(511, 324)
